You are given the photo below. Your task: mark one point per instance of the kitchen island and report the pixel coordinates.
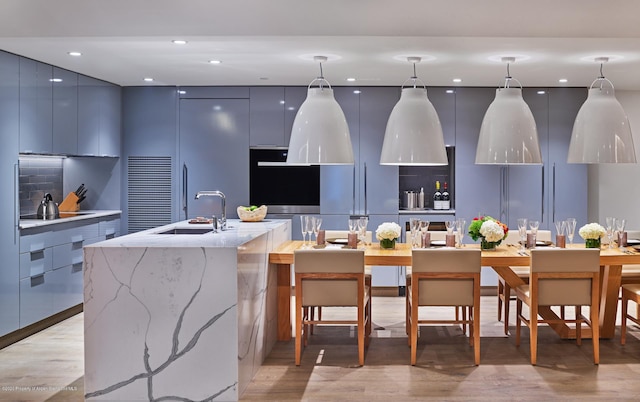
(176, 314)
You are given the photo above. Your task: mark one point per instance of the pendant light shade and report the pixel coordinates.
(320, 134)
(601, 132)
(508, 134)
(413, 135)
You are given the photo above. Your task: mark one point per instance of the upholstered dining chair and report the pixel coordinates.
(445, 277)
(504, 290)
(561, 277)
(336, 278)
(631, 272)
(629, 292)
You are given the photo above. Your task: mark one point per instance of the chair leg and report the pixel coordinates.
(533, 334)
(578, 325)
(298, 340)
(312, 311)
(414, 328)
(595, 333)
(407, 325)
(623, 328)
(464, 318)
(518, 321)
(476, 333)
(507, 301)
(361, 331)
(471, 324)
(500, 293)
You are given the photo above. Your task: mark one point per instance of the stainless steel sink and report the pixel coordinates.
(187, 231)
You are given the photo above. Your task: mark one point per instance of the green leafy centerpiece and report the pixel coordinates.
(489, 230)
(592, 234)
(388, 233)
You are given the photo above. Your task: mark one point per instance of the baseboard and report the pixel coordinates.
(36, 327)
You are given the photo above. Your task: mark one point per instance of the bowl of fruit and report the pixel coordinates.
(252, 213)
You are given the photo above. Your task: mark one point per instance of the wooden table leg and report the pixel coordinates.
(284, 302)
(611, 278)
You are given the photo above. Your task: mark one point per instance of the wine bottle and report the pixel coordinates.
(437, 197)
(446, 203)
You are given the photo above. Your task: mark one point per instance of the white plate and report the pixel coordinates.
(633, 242)
(438, 243)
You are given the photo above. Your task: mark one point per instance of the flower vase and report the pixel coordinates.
(592, 243)
(488, 245)
(388, 243)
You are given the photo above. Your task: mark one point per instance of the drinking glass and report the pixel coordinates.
(414, 226)
(317, 221)
(353, 225)
(424, 228)
(522, 231)
(620, 228)
(461, 226)
(571, 229)
(561, 227)
(533, 225)
(610, 227)
(451, 225)
(362, 226)
(304, 224)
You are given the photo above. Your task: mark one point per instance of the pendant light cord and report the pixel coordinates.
(601, 78)
(321, 80)
(414, 78)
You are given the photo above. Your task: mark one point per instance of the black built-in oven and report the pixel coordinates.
(283, 189)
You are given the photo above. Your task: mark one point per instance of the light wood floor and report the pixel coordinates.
(49, 366)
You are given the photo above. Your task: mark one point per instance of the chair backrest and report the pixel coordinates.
(318, 271)
(342, 234)
(439, 235)
(445, 291)
(564, 291)
(633, 234)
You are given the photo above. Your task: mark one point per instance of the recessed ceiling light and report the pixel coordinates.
(563, 80)
(179, 42)
(181, 92)
(457, 80)
(75, 54)
(56, 80)
(449, 91)
(282, 102)
(351, 79)
(357, 91)
(214, 62)
(264, 78)
(541, 92)
(148, 79)
(291, 108)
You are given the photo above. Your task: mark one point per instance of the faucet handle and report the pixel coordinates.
(215, 224)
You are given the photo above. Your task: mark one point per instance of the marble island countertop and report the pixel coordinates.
(237, 233)
(66, 217)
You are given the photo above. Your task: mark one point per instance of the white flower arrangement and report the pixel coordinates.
(592, 231)
(388, 231)
(491, 231)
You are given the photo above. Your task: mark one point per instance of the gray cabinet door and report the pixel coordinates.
(9, 246)
(36, 111)
(477, 186)
(214, 145)
(378, 183)
(111, 124)
(266, 116)
(340, 188)
(567, 181)
(444, 101)
(65, 112)
(89, 110)
(293, 99)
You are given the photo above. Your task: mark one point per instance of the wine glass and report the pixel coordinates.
(362, 226)
(571, 229)
(461, 225)
(424, 229)
(451, 225)
(353, 225)
(317, 221)
(522, 231)
(620, 228)
(304, 224)
(533, 225)
(610, 226)
(414, 226)
(560, 227)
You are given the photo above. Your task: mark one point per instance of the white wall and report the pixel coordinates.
(614, 190)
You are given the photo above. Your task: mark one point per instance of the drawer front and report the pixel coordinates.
(34, 242)
(36, 299)
(69, 253)
(75, 234)
(109, 229)
(67, 286)
(36, 262)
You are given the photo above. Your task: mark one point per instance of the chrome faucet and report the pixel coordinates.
(223, 219)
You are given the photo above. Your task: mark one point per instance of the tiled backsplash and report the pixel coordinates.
(39, 176)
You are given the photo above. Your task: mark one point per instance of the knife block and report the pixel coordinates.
(70, 203)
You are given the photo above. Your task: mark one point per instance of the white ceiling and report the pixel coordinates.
(272, 42)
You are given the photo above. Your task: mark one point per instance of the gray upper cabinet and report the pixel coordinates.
(65, 112)
(266, 117)
(9, 245)
(99, 117)
(36, 111)
(294, 97)
(445, 104)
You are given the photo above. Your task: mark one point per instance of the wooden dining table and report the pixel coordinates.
(501, 260)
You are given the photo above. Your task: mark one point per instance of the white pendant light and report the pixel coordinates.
(508, 134)
(414, 134)
(320, 134)
(601, 132)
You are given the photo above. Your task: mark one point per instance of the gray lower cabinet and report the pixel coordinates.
(9, 234)
(51, 261)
